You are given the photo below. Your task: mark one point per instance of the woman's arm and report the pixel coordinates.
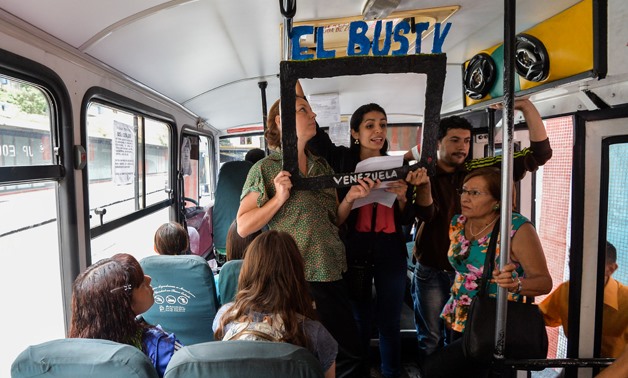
(251, 218)
(527, 250)
(360, 190)
(331, 372)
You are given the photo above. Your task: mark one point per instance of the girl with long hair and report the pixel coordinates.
(272, 286)
(107, 300)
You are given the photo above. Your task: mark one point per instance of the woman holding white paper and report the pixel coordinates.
(376, 249)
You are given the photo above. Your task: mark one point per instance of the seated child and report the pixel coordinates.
(227, 284)
(171, 239)
(107, 301)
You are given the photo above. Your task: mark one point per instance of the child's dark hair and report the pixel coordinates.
(236, 245)
(171, 239)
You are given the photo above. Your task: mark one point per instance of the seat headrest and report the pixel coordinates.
(82, 358)
(185, 296)
(241, 358)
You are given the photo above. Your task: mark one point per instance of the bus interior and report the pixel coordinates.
(117, 117)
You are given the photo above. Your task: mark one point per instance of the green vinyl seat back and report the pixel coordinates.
(185, 296)
(82, 358)
(228, 280)
(243, 359)
(231, 178)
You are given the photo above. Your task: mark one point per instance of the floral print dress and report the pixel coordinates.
(467, 258)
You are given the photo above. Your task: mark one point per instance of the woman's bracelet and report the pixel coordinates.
(518, 289)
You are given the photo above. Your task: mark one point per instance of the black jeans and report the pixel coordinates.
(335, 313)
(449, 361)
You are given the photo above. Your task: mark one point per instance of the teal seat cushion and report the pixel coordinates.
(228, 282)
(242, 359)
(231, 178)
(82, 358)
(185, 296)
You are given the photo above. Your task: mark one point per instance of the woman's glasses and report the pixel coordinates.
(472, 192)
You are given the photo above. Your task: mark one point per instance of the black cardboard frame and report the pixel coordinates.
(433, 65)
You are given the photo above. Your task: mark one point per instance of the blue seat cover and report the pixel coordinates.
(185, 296)
(231, 178)
(82, 358)
(242, 359)
(228, 281)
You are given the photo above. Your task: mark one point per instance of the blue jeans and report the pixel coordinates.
(389, 274)
(430, 291)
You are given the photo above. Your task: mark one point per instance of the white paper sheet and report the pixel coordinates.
(379, 195)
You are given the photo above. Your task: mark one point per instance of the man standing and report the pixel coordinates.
(433, 275)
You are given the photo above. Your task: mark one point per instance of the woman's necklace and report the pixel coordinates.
(482, 230)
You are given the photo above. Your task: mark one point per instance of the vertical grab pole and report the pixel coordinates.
(490, 115)
(288, 10)
(507, 156)
(262, 87)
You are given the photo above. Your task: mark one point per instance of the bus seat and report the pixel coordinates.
(82, 358)
(231, 178)
(185, 296)
(244, 358)
(228, 281)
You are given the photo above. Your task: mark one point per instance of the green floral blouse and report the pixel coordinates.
(308, 215)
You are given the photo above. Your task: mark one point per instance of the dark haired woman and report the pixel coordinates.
(375, 243)
(272, 285)
(106, 301)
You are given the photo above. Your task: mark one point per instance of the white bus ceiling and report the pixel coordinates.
(209, 55)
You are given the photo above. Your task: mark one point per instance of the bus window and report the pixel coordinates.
(617, 218)
(29, 247)
(235, 148)
(129, 169)
(205, 169)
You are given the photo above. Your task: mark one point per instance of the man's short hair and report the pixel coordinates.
(254, 155)
(611, 253)
(453, 122)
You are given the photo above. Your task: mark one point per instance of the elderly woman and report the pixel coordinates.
(470, 234)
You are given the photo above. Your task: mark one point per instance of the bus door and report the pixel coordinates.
(196, 180)
(599, 214)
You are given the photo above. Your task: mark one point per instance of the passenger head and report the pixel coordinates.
(171, 239)
(454, 138)
(305, 120)
(611, 261)
(368, 127)
(254, 155)
(236, 245)
(481, 193)
(107, 297)
(273, 133)
(272, 280)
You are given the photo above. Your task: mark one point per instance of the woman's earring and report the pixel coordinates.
(496, 207)
(356, 142)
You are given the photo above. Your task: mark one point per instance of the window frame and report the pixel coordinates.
(108, 98)
(62, 171)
